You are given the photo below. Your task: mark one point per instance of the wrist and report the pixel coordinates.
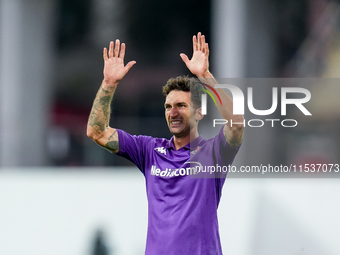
(207, 74)
(109, 86)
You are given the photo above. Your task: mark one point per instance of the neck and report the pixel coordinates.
(180, 142)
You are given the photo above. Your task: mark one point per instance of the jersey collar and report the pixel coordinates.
(192, 145)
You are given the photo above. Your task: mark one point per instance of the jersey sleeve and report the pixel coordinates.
(224, 155)
(223, 151)
(133, 148)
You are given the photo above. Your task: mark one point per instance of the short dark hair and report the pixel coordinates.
(184, 83)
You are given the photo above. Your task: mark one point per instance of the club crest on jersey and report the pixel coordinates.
(195, 150)
(161, 150)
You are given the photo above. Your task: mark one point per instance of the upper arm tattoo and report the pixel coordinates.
(113, 144)
(231, 140)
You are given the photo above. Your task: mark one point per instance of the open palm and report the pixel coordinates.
(114, 69)
(199, 62)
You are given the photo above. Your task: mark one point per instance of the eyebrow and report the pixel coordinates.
(165, 104)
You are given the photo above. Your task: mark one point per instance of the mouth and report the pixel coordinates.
(175, 123)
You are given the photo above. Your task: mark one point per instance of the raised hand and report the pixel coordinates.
(199, 63)
(114, 69)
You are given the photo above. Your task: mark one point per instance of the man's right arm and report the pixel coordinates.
(98, 124)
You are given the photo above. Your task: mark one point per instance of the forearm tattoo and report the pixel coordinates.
(101, 110)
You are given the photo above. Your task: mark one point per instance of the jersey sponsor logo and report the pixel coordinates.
(194, 168)
(161, 150)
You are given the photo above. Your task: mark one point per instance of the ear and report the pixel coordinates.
(198, 114)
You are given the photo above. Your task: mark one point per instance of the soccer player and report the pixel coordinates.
(182, 209)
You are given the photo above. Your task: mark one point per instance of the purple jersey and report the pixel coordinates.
(182, 209)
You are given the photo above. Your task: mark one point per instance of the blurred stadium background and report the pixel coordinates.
(62, 194)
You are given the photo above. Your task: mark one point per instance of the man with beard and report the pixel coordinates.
(182, 210)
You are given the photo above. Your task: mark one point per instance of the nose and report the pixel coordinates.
(173, 112)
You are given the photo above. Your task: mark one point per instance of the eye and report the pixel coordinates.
(167, 106)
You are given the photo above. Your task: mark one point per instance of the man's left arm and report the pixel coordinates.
(199, 66)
